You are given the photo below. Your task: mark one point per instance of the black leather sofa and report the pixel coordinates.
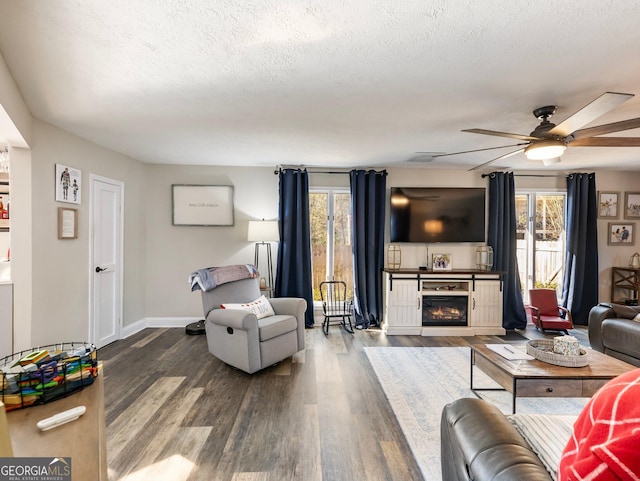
(613, 331)
(479, 443)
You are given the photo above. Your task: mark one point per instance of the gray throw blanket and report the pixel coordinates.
(211, 277)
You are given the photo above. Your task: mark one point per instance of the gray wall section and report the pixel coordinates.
(61, 271)
(174, 252)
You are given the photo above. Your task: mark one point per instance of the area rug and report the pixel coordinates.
(419, 381)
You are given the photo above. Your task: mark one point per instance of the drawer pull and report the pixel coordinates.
(549, 389)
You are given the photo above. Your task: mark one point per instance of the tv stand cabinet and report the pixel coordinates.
(404, 290)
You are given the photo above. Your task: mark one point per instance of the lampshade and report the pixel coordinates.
(545, 149)
(263, 231)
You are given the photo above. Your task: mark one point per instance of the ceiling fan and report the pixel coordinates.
(548, 141)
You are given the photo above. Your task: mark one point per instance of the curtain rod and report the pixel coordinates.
(533, 175)
(277, 171)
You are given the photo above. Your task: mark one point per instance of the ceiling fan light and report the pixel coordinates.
(545, 149)
(547, 162)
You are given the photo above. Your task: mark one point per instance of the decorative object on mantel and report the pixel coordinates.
(542, 349)
(484, 258)
(634, 261)
(441, 262)
(394, 256)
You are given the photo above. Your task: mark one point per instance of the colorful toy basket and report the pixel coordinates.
(46, 373)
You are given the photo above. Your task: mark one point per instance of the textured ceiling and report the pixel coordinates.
(364, 83)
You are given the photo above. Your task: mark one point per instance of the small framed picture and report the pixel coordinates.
(608, 204)
(67, 223)
(632, 205)
(441, 262)
(620, 234)
(68, 184)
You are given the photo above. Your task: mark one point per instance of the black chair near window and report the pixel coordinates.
(336, 308)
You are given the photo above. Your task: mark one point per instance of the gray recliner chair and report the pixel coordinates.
(240, 339)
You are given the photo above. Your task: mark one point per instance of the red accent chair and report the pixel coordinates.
(545, 313)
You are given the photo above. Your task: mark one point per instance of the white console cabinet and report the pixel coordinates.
(477, 295)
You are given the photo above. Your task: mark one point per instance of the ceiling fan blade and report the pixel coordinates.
(435, 156)
(607, 128)
(607, 142)
(496, 159)
(500, 134)
(587, 114)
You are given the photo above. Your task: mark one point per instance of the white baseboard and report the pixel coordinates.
(157, 322)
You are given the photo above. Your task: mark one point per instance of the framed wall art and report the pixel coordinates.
(632, 205)
(441, 262)
(202, 205)
(67, 223)
(621, 234)
(608, 204)
(68, 184)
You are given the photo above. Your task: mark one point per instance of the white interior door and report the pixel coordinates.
(106, 223)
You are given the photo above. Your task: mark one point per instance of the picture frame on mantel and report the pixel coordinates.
(202, 205)
(441, 262)
(68, 184)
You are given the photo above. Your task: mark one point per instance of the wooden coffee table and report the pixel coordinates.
(534, 378)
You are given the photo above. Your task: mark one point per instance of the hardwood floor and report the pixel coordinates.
(175, 412)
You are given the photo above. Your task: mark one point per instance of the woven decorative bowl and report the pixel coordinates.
(542, 349)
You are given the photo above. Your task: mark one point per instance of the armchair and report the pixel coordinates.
(240, 339)
(545, 313)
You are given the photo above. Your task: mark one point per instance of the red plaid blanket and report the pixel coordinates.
(605, 444)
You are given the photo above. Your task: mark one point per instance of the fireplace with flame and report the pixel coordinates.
(444, 310)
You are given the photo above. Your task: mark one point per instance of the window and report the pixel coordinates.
(331, 257)
(540, 219)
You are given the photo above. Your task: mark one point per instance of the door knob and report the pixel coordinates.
(100, 269)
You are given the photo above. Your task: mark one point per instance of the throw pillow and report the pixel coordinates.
(261, 307)
(637, 318)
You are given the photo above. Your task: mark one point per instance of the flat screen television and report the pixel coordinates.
(437, 214)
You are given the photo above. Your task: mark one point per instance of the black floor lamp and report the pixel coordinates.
(263, 233)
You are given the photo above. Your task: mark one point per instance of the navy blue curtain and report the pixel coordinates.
(368, 199)
(502, 238)
(293, 272)
(580, 287)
